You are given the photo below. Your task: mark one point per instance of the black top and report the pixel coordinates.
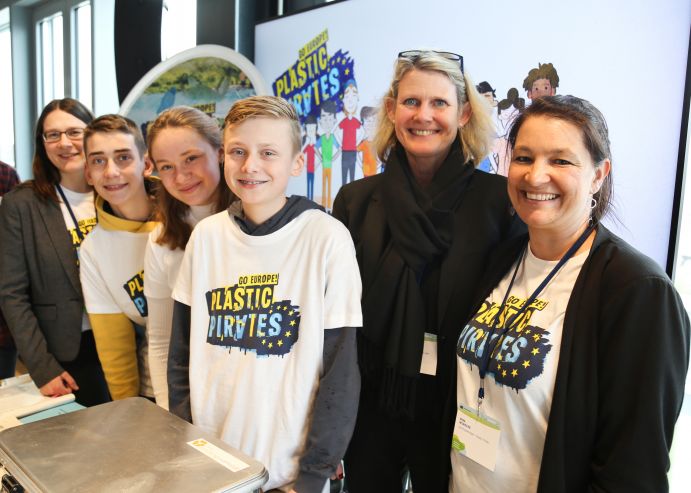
(482, 220)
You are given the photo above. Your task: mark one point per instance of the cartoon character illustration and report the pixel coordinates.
(485, 89)
(541, 81)
(327, 147)
(367, 155)
(349, 129)
(310, 152)
(506, 112)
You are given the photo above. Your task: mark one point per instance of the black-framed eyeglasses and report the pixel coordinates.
(412, 55)
(53, 136)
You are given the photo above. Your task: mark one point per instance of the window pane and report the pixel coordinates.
(6, 103)
(82, 19)
(51, 59)
(178, 27)
(58, 62)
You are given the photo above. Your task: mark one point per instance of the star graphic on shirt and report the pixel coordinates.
(527, 331)
(288, 334)
(347, 71)
(499, 365)
(264, 341)
(290, 312)
(271, 310)
(526, 364)
(292, 323)
(271, 344)
(536, 337)
(535, 351)
(280, 342)
(503, 373)
(499, 357)
(514, 373)
(285, 308)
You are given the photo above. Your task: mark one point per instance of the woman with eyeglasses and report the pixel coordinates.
(43, 222)
(185, 146)
(571, 369)
(422, 231)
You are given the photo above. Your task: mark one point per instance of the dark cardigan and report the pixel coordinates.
(621, 372)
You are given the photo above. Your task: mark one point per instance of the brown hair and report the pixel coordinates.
(172, 212)
(543, 71)
(46, 175)
(476, 135)
(115, 124)
(266, 107)
(590, 121)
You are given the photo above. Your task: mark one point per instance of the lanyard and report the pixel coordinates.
(510, 322)
(74, 218)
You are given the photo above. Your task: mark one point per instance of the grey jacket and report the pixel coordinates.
(40, 292)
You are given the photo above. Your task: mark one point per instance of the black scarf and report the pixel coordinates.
(420, 222)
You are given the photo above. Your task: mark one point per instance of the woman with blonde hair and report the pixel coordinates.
(422, 231)
(185, 146)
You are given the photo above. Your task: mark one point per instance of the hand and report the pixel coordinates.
(61, 385)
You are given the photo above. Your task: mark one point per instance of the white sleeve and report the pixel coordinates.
(183, 285)
(97, 297)
(343, 289)
(156, 283)
(158, 328)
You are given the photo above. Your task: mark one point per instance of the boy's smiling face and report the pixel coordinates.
(115, 167)
(259, 160)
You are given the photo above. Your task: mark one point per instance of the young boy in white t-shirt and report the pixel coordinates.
(262, 349)
(112, 256)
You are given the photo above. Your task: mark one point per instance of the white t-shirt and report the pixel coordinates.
(259, 307)
(82, 205)
(161, 265)
(520, 379)
(112, 275)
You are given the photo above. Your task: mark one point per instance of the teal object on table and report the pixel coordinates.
(52, 412)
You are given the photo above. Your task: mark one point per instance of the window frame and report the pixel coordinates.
(66, 8)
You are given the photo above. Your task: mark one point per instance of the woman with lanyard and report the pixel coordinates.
(43, 222)
(571, 372)
(422, 232)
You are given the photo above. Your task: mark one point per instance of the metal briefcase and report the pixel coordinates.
(130, 445)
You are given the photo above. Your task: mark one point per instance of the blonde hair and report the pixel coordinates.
(476, 135)
(266, 107)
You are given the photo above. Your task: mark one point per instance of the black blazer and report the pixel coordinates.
(483, 220)
(40, 292)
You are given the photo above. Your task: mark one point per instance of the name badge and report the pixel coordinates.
(428, 366)
(476, 437)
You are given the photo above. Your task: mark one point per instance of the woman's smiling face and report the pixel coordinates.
(425, 115)
(552, 176)
(67, 155)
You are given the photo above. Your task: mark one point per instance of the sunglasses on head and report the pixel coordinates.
(413, 55)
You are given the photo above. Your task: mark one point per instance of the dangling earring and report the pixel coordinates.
(593, 205)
